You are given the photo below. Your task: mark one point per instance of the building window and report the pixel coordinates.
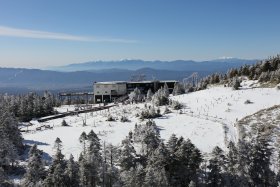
(97, 86)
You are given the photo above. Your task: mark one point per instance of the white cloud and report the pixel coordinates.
(25, 33)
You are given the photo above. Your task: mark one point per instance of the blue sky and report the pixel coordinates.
(37, 33)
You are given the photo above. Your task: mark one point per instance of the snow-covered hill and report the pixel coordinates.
(208, 119)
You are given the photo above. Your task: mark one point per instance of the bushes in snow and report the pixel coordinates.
(248, 102)
(124, 119)
(110, 118)
(149, 113)
(176, 105)
(135, 96)
(64, 123)
(161, 97)
(235, 83)
(178, 89)
(149, 95)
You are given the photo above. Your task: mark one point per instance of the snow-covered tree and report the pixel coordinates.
(259, 168)
(56, 173)
(35, 172)
(149, 95)
(160, 97)
(72, 173)
(135, 96)
(156, 173)
(172, 144)
(178, 89)
(216, 165)
(185, 163)
(235, 84)
(82, 139)
(166, 90)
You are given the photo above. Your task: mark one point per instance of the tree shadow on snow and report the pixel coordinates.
(32, 142)
(46, 157)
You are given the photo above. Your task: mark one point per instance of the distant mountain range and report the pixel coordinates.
(178, 65)
(82, 76)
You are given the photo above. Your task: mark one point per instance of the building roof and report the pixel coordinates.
(124, 82)
(112, 82)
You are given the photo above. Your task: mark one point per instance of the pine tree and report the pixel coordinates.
(236, 84)
(149, 95)
(175, 89)
(127, 155)
(156, 174)
(135, 96)
(83, 171)
(72, 173)
(9, 127)
(111, 157)
(243, 161)
(259, 168)
(185, 165)
(35, 169)
(166, 90)
(151, 138)
(4, 181)
(82, 140)
(64, 123)
(232, 165)
(8, 152)
(56, 175)
(91, 161)
(216, 164)
(172, 144)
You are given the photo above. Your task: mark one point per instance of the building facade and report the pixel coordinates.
(110, 91)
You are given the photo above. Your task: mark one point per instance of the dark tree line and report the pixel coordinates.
(11, 145)
(31, 105)
(144, 160)
(13, 109)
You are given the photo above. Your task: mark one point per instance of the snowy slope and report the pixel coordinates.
(208, 120)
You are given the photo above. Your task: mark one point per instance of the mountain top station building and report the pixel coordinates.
(110, 91)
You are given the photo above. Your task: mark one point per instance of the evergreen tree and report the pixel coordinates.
(165, 90)
(64, 123)
(232, 164)
(156, 174)
(243, 161)
(236, 84)
(9, 127)
(56, 175)
(72, 173)
(172, 144)
(91, 161)
(135, 96)
(151, 138)
(149, 95)
(82, 140)
(4, 181)
(127, 155)
(259, 168)
(8, 152)
(35, 169)
(216, 164)
(111, 157)
(184, 167)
